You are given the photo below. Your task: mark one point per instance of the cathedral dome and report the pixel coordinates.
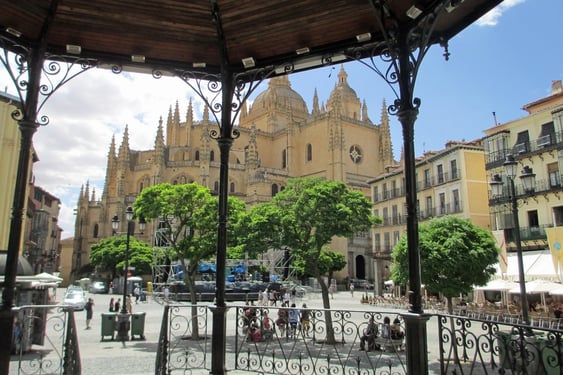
(279, 95)
(344, 97)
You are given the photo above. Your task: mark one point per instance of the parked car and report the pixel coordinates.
(99, 287)
(75, 299)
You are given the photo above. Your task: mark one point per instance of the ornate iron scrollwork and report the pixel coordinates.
(56, 71)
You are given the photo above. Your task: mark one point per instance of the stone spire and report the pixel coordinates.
(87, 191)
(316, 110)
(206, 113)
(159, 147)
(123, 159)
(385, 144)
(111, 171)
(190, 114)
(365, 117)
(169, 126)
(252, 152)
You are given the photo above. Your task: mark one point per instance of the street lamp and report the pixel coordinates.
(123, 326)
(528, 180)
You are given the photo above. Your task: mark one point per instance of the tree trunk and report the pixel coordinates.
(326, 304)
(453, 331)
(190, 278)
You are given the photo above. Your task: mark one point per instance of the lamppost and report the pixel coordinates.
(123, 320)
(528, 180)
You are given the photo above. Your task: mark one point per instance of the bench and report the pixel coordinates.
(387, 344)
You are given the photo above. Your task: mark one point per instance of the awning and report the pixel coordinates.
(498, 284)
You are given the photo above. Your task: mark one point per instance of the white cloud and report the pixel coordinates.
(491, 18)
(84, 114)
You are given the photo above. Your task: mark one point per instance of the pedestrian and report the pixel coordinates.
(286, 298)
(129, 304)
(89, 307)
(137, 293)
(305, 320)
(293, 317)
(166, 293)
(111, 305)
(111, 287)
(352, 289)
(117, 305)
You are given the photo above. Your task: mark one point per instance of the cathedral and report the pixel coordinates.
(280, 138)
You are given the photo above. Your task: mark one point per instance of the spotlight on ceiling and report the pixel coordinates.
(363, 37)
(73, 49)
(138, 58)
(14, 32)
(413, 12)
(248, 62)
(199, 65)
(302, 51)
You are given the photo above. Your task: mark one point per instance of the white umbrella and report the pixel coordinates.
(498, 284)
(538, 287)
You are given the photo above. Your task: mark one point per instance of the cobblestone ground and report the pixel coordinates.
(138, 356)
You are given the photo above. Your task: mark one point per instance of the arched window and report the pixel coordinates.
(232, 187)
(96, 229)
(196, 157)
(211, 155)
(141, 187)
(309, 152)
(284, 159)
(274, 189)
(216, 186)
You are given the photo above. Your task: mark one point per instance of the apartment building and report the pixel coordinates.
(451, 181)
(535, 142)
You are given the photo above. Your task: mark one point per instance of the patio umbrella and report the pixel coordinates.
(539, 287)
(499, 285)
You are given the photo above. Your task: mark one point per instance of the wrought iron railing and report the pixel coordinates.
(258, 342)
(45, 341)
(498, 345)
(261, 342)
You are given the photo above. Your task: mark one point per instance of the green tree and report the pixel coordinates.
(329, 262)
(188, 213)
(109, 254)
(307, 214)
(455, 255)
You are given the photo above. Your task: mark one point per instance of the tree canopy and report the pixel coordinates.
(455, 255)
(109, 254)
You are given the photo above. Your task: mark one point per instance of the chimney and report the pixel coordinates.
(556, 87)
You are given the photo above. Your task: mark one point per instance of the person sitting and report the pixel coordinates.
(267, 327)
(282, 321)
(369, 335)
(386, 328)
(396, 331)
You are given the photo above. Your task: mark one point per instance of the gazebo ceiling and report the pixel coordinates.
(181, 34)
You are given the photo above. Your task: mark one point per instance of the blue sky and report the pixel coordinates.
(506, 61)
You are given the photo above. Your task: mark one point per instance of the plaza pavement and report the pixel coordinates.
(138, 356)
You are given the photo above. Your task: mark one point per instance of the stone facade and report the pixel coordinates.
(280, 138)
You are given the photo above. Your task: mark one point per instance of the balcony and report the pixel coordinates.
(538, 146)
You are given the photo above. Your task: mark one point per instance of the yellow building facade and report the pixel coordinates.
(536, 143)
(451, 181)
(280, 138)
(39, 242)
